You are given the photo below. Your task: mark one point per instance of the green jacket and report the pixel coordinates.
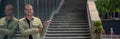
(27, 29)
(8, 28)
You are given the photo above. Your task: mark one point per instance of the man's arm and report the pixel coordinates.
(24, 31)
(10, 31)
(44, 29)
(4, 31)
(7, 31)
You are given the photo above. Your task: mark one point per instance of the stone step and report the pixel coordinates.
(71, 34)
(65, 35)
(70, 17)
(68, 37)
(67, 31)
(70, 26)
(71, 14)
(68, 21)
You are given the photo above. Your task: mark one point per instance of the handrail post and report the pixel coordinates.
(111, 31)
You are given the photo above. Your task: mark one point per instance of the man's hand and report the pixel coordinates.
(37, 30)
(47, 23)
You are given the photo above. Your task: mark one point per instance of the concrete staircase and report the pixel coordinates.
(71, 22)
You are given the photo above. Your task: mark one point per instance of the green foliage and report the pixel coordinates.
(105, 6)
(97, 24)
(102, 6)
(98, 27)
(117, 10)
(98, 30)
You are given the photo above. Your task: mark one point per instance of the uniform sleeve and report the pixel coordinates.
(14, 28)
(9, 31)
(4, 31)
(43, 29)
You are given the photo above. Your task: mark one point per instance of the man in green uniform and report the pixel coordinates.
(8, 24)
(30, 26)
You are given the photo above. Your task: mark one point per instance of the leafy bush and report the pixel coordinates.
(98, 30)
(98, 27)
(97, 24)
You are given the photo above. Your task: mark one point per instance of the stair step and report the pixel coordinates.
(67, 31)
(67, 26)
(71, 18)
(68, 34)
(69, 14)
(67, 37)
(68, 17)
(65, 18)
(68, 21)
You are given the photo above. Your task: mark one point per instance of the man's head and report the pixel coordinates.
(28, 10)
(9, 10)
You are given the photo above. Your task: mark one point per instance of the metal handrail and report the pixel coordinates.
(53, 14)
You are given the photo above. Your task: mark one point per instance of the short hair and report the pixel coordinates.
(9, 5)
(28, 5)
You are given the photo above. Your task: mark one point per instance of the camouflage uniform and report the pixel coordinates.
(29, 28)
(8, 28)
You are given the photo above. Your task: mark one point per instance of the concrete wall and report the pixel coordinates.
(92, 16)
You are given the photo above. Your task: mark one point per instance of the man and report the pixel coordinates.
(8, 24)
(30, 26)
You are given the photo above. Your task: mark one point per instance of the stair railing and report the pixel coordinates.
(92, 16)
(89, 18)
(52, 15)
